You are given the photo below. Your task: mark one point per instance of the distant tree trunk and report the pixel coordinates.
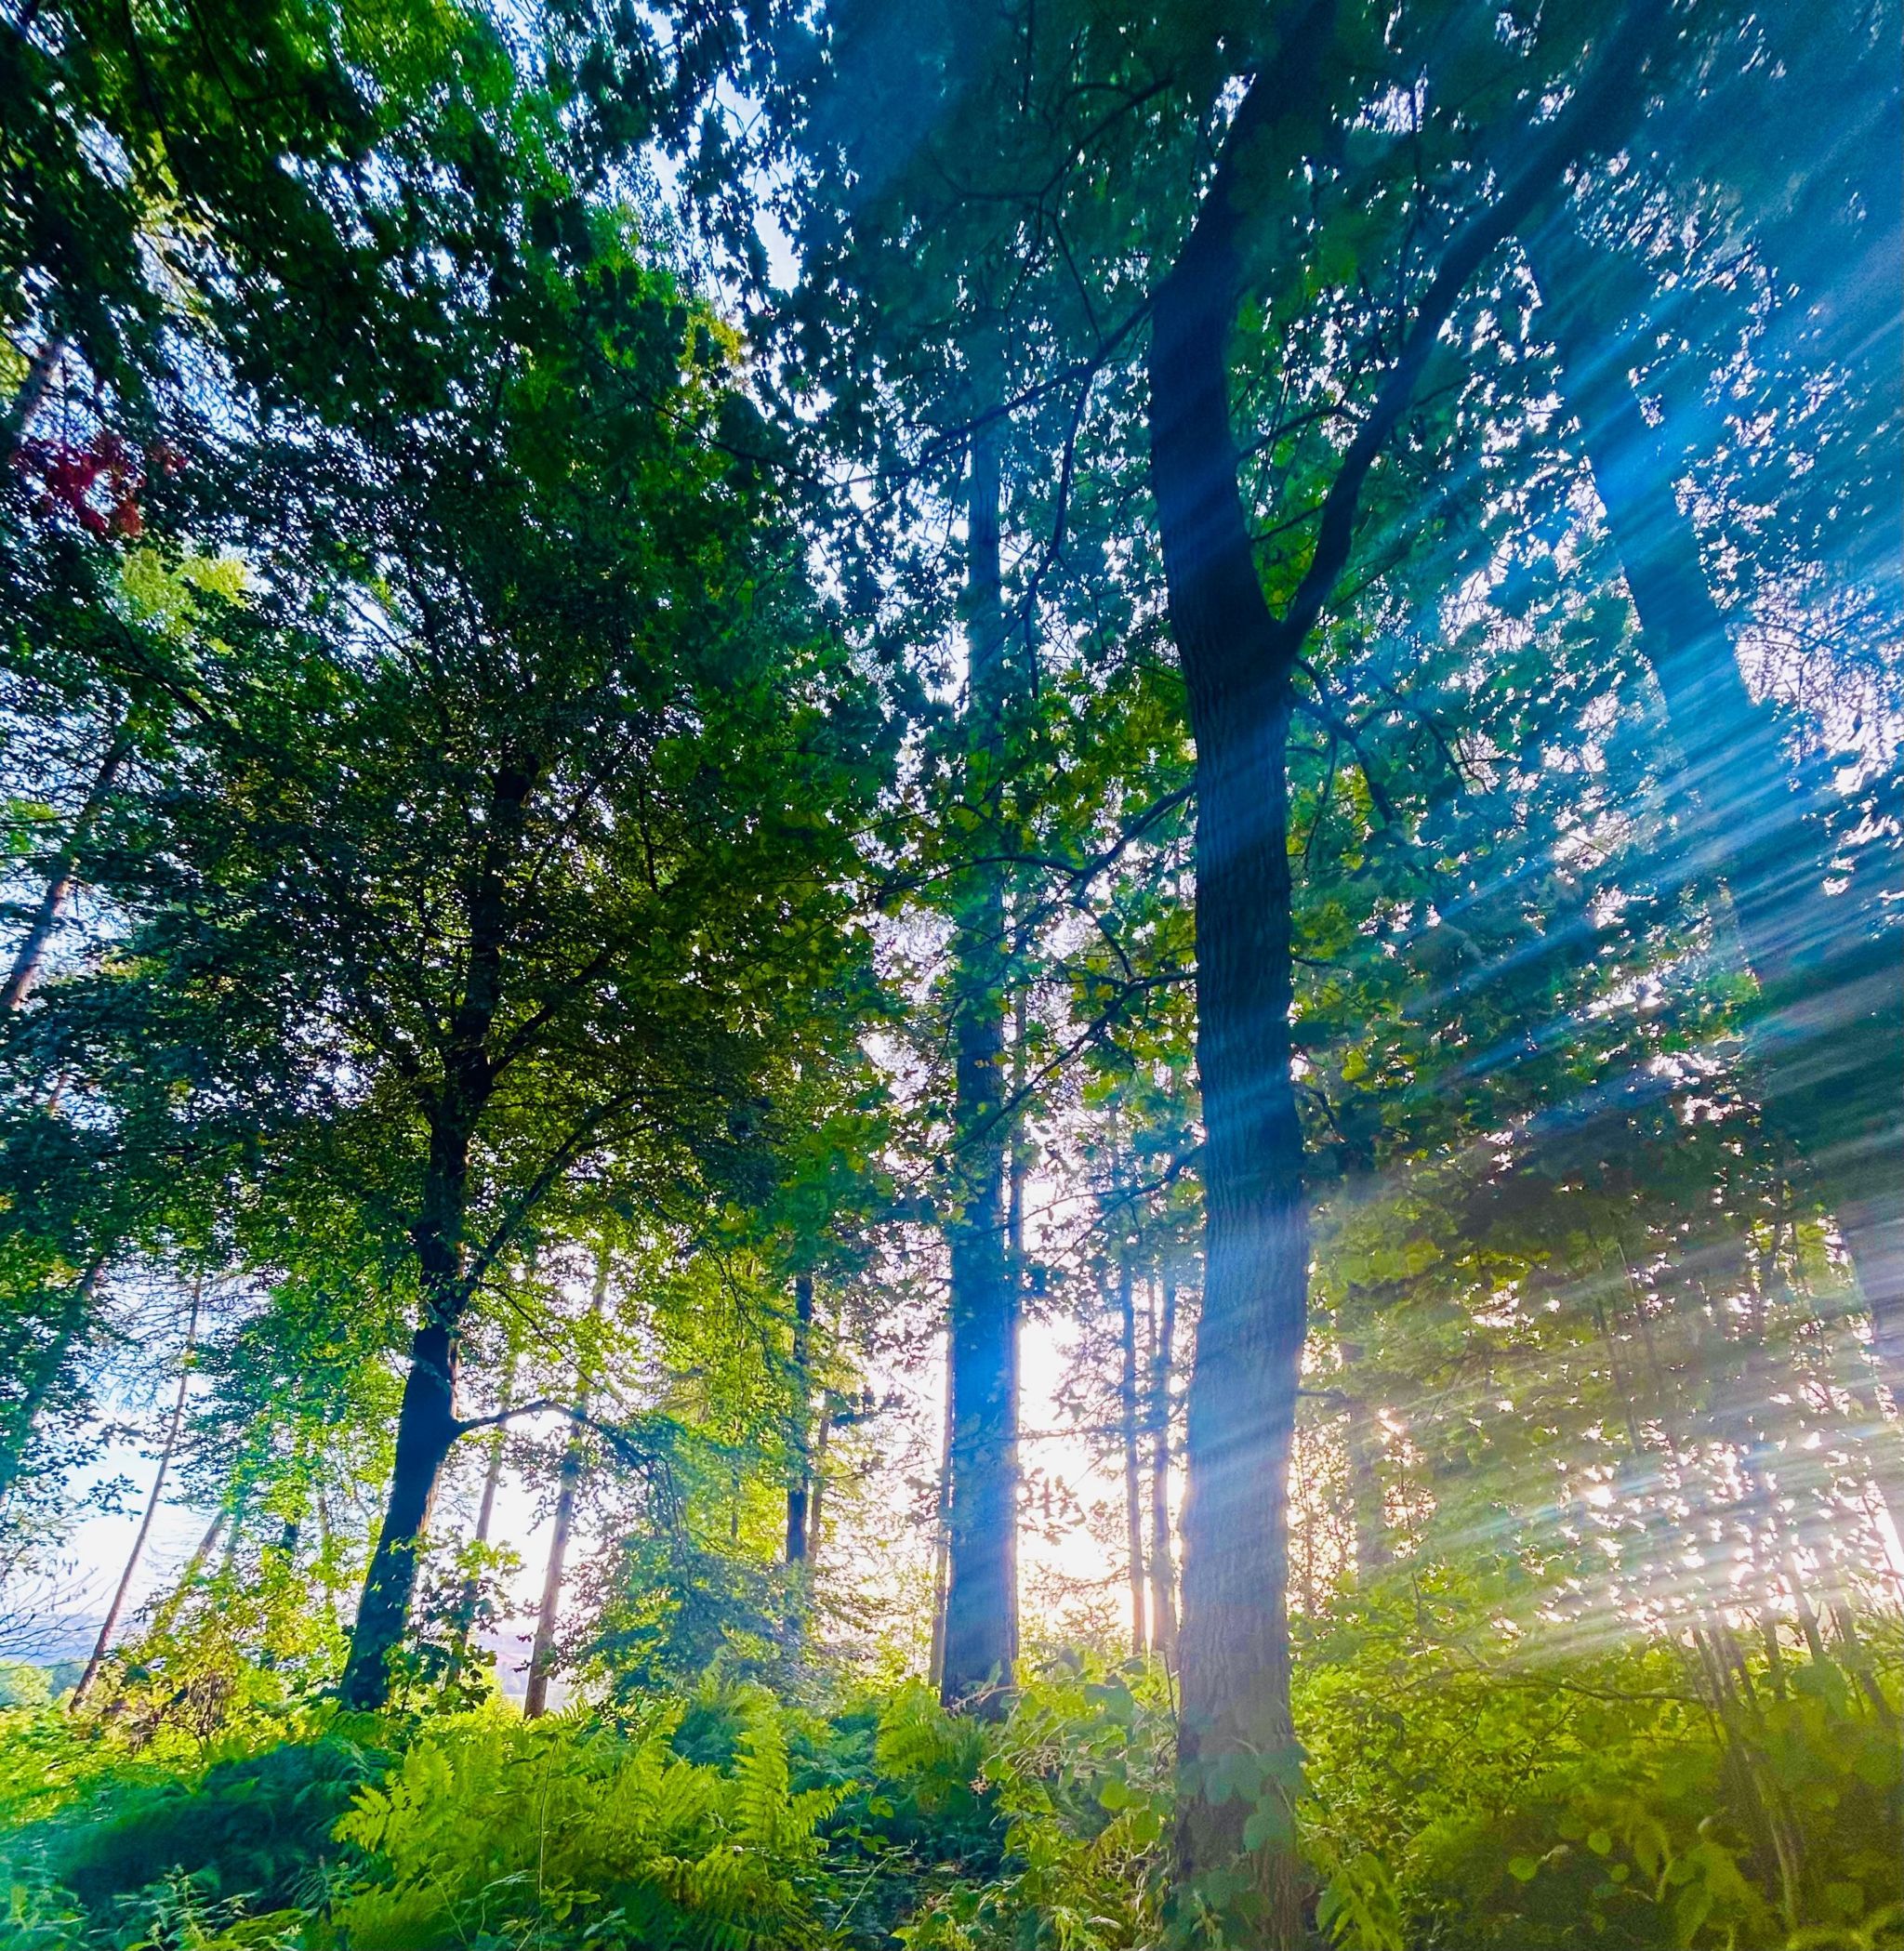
(189, 1577)
(1368, 1500)
(942, 1533)
(542, 1651)
(817, 1515)
(43, 1369)
(981, 1626)
(799, 1488)
(1829, 1046)
(61, 876)
(1163, 1578)
(173, 1426)
(25, 403)
(471, 1595)
(1133, 1461)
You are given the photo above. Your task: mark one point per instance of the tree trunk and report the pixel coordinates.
(981, 1627)
(1163, 1578)
(1238, 1759)
(942, 1533)
(1134, 1462)
(471, 1595)
(1368, 1498)
(25, 403)
(426, 1425)
(799, 1489)
(542, 1651)
(1828, 1044)
(110, 1624)
(61, 876)
(194, 1565)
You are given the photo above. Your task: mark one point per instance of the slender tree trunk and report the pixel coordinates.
(799, 1489)
(816, 1513)
(1163, 1578)
(981, 1625)
(942, 1533)
(1368, 1500)
(188, 1579)
(1829, 1043)
(471, 1595)
(173, 1426)
(25, 403)
(542, 1651)
(1133, 1461)
(60, 878)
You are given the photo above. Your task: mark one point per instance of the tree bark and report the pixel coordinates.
(60, 878)
(1829, 1042)
(1133, 1461)
(799, 1489)
(981, 1624)
(177, 1423)
(1163, 1578)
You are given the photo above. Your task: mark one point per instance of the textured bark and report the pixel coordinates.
(800, 1490)
(1163, 1576)
(173, 1426)
(1829, 1042)
(1133, 1459)
(61, 876)
(980, 1648)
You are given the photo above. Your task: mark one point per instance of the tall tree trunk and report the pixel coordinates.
(173, 1426)
(1830, 1042)
(61, 876)
(189, 1577)
(1163, 1578)
(1236, 1742)
(43, 1370)
(800, 1487)
(1133, 1461)
(981, 1629)
(542, 1651)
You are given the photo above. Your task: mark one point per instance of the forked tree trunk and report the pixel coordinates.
(173, 1426)
(61, 874)
(1163, 1576)
(980, 1645)
(1828, 1046)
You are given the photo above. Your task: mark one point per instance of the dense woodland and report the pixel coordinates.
(1002, 908)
